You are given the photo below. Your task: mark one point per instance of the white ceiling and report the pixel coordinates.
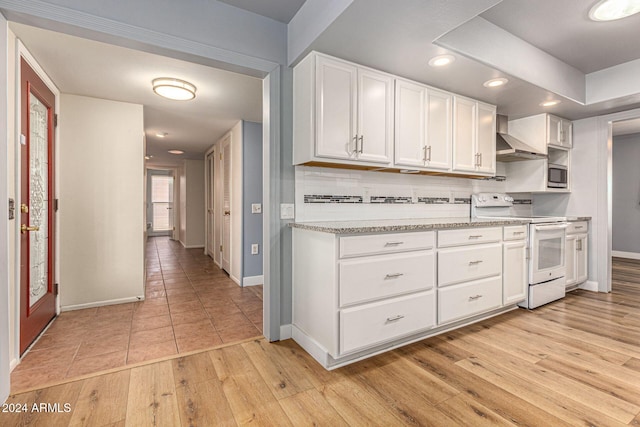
(84, 67)
(395, 36)
(280, 10)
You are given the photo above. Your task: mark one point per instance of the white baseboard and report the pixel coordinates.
(101, 303)
(285, 332)
(589, 285)
(191, 246)
(235, 279)
(13, 364)
(253, 280)
(630, 255)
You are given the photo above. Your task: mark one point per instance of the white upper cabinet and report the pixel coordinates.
(347, 114)
(474, 136)
(559, 132)
(423, 127)
(342, 112)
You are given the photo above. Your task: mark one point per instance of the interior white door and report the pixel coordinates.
(210, 197)
(226, 204)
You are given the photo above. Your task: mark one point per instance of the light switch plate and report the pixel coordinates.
(256, 208)
(255, 248)
(287, 211)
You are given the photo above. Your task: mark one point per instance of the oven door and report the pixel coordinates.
(547, 252)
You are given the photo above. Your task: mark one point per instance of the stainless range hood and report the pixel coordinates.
(511, 149)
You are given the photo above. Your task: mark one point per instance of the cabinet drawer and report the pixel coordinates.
(469, 236)
(371, 278)
(457, 265)
(385, 243)
(374, 323)
(578, 227)
(468, 299)
(515, 232)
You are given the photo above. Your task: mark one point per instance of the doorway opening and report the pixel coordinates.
(160, 203)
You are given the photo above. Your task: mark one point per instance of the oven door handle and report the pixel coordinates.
(560, 226)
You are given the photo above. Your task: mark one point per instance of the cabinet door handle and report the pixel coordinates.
(475, 262)
(578, 227)
(429, 153)
(579, 245)
(475, 297)
(476, 162)
(479, 159)
(424, 153)
(355, 140)
(518, 232)
(393, 243)
(394, 318)
(361, 143)
(393, 276)
(475, 236)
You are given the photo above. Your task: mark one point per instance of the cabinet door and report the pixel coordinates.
(486, 139)
(570, 260)
(375, 116)
(581, 258)
(554, 130)
(410, 124)
(566, 131)
(439, 128)
(336, 90)
(464, 134)
(515, 272)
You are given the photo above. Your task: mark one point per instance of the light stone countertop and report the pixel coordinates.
(578, 218)
(390, 225)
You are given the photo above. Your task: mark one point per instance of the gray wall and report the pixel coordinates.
(251, 193)
(626, 193)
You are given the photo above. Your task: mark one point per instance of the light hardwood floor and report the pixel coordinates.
(572, 362)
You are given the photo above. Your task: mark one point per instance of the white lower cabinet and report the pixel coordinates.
(357, 295)
(514, 270)
(468, 299)
(576, 254)
(366, 325)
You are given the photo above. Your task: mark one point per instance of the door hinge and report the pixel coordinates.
(56, 203)
(55, 120)
(220, 248)
(56, 288)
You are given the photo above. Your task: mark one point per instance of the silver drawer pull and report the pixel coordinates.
(394, 318)
(518, 232)
(475, 297)
(577, 227)
(393, 276)
(475, 262)
(394, 243)
(475, 236)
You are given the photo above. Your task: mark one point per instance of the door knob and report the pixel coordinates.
(227, 213)
(24, 228)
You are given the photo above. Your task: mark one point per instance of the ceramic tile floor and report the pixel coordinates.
(190, 304)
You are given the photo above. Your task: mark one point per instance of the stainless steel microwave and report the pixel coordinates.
(557, 176)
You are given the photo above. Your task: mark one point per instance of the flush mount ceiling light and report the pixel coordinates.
(176, 89)
(550, 103)
(441, 60)
(176, 151)
(495, 82)
(610, 10)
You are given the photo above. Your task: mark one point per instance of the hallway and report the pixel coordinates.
(190, 305)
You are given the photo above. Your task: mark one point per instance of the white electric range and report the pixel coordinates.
(546, 246)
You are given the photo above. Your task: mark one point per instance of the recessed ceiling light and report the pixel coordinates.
(441, 60)
(161, 134)
(495, 82)
(176, 89)
(176, 151)
(550, 103)
(610, 10)
(148, 157)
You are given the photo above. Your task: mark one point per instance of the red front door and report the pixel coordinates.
(37, 298)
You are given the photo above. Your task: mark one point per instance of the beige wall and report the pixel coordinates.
(101, 195)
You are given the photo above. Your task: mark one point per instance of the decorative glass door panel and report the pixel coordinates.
(38, 198)
(37, 291)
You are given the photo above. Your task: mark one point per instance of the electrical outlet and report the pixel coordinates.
(256, 208)
(255, 248)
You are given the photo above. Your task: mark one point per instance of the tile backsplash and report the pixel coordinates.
(328, 194)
